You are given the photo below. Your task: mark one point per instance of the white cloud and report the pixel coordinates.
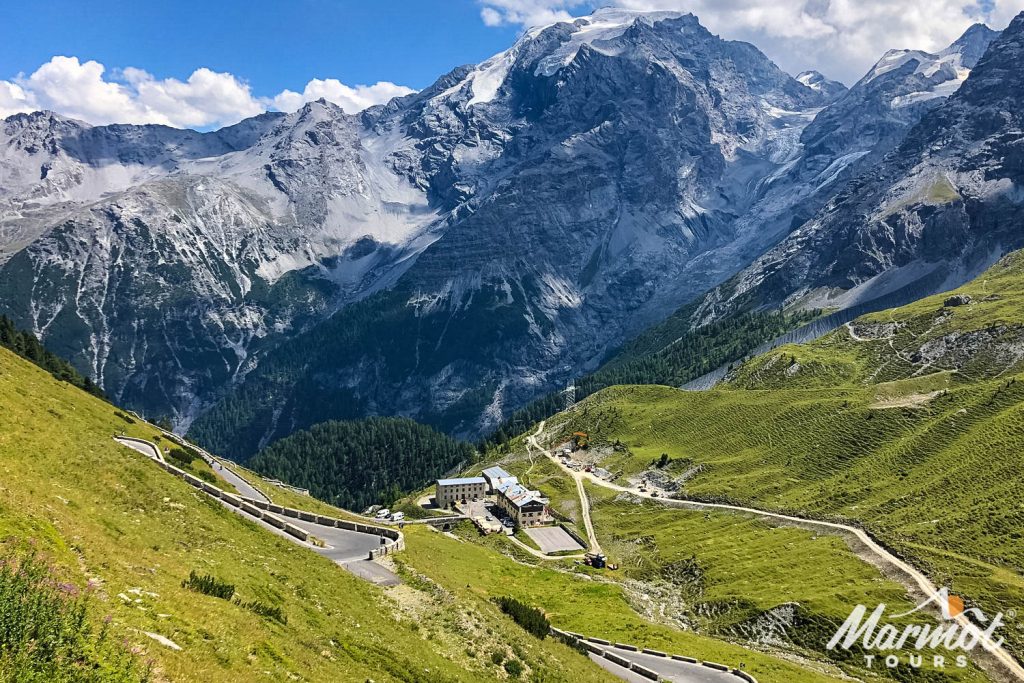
(206, 98)
(841, 38)
(14, 100)
(79, 90)
(351, 99)
(1003, 12)
(85, 90)
(491, 16)
(528, 12)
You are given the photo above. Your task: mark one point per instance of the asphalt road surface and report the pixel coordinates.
(343, 545)
(348, 549)
(243, 487)
(674, 670)
(619, 671)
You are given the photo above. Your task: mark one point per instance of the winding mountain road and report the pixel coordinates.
(146, 448)
(348, 549)
(241, 485)
(914, 579)
(667, 669)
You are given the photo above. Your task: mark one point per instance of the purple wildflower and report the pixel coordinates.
(69, 588)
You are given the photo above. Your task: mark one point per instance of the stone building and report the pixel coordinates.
(525, 507)
(456, 490)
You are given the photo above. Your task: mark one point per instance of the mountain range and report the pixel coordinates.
(456, 252)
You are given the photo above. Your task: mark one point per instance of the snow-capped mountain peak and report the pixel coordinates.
(933, 75)
(818, 82)
(972, 44)
(602, 26)
(568, 37)
(565, 192)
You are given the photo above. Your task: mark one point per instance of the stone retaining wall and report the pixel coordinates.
(575, 536)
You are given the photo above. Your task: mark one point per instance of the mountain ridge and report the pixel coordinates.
(925, 205)
(565, 193)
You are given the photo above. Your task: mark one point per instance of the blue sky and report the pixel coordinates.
(272, 44)
(207, 63)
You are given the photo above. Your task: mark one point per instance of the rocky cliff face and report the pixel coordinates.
(446, 256)
(866, 122)
(599, 174)
(945, 203)
(163, 261)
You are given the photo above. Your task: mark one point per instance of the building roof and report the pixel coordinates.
(520, 496)
(497, 473)
(464, 481)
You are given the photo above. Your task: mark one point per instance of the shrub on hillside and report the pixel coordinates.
(46, 633)
(263, 610)
(182, 457)
(208, 585)
(514, 668)
(575, 644)
(207, 476)
(530, 618)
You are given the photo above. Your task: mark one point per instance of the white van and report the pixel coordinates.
(398, 517)
(383, 514)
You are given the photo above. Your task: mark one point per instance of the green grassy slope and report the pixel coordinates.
(918, 435)
(669, 353)
(103, 512)
(741, 578)
(580, 600)
(477, 567)
(720, 574)
(978, 339)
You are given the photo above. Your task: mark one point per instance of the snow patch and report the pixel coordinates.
(488, 79)
(603, 25)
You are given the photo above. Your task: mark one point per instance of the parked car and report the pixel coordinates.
(383, 514)
(398, 517)
(507, 523)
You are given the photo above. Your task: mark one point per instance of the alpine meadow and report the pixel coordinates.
(658, 341)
